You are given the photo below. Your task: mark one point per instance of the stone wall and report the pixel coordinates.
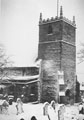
(19, 71)
(49, 82)
(56, 33)
(50, 55)
(58, 52)
(68, 62)
(68, 33)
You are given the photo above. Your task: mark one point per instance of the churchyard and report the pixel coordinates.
(41, 111)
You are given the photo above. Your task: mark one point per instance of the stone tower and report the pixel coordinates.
(57, 51)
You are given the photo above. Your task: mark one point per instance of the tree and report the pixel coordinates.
(80, 54)
(4, 62)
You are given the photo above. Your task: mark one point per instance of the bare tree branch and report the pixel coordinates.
(4, 62)
(80, 54)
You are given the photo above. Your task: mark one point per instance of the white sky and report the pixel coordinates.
(19, 26)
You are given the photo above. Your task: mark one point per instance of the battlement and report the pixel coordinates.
(52, 19)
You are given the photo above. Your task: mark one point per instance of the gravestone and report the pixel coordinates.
(45, 108)
(19, 106)
(61, 112)
(53, 104)
(51, 113)
(5, 106)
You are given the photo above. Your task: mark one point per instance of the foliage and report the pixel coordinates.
(80, 54)
(4, 61)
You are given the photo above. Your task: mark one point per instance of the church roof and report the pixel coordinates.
(20, 79)
(24, 77)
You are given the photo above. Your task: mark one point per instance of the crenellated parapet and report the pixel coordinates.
(54, 19)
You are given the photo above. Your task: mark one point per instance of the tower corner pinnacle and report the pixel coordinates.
(74, 19)
(40, 19)
(61, 12)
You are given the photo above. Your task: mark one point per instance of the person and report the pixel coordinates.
(19, 106)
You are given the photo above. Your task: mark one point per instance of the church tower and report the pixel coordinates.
(57, 50)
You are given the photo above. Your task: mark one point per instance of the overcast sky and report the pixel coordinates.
(19, 30)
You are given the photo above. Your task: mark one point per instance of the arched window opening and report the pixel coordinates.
(50, 29)
(1, 91)
(67, 93)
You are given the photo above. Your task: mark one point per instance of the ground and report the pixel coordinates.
(71, 112)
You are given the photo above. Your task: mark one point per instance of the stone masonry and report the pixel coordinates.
(58, 53)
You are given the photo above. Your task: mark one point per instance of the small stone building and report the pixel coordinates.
(21, 82)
